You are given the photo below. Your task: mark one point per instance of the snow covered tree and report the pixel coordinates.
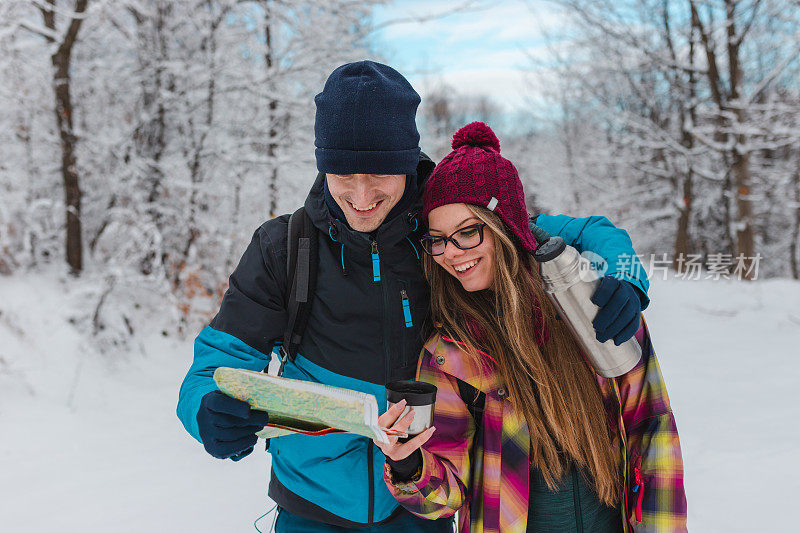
(189, 123)
(690, 93)
(59, 28)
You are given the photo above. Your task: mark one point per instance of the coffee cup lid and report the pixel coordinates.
(414, 392)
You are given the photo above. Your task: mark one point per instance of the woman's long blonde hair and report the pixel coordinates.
(551, 385)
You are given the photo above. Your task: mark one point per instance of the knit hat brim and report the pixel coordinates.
(334, 161)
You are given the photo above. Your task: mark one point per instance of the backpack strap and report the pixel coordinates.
(475, 401)
(302, 261)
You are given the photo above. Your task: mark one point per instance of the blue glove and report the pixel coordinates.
(620, 308)
(227, 426)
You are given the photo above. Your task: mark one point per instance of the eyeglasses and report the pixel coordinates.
(464, 239)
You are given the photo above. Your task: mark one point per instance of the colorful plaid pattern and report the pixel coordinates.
(497, 499)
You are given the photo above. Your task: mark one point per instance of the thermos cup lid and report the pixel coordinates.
(414, 392)
(550, 249)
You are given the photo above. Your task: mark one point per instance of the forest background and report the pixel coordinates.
(143, 141)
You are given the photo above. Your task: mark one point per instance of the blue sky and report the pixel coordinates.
(479, 52)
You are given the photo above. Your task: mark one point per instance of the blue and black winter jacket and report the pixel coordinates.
(364, 330)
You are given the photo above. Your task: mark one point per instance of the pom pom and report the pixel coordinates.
(476, 134)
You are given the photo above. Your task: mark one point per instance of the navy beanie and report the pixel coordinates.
(365, 121)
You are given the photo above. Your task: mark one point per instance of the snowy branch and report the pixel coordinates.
(51, 6)
(776, 71)
(468, 6)
(47, 33)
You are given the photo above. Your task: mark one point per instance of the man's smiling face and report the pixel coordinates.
(366, 199)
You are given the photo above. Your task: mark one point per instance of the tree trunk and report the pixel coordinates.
(272, 141)
(682, 248)
(63, 101)
(744, 211)
(682, 239)
(745, 242)
(794, 243)
(150, 135)
(729, 246)
(737, 159)
(208, 48)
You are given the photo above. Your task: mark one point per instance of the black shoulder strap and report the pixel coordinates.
(474, 399)
(302, 259)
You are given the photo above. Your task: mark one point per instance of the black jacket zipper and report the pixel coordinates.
(386, 364)
(371, 473)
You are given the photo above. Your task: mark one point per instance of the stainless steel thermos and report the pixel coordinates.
(570, 284)
(419, 396)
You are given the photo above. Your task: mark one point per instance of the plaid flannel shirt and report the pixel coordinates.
(496, 500)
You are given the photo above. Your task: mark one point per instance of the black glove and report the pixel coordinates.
(620, 307)
(228, 426)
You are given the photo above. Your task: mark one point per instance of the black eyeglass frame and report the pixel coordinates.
(427, 237)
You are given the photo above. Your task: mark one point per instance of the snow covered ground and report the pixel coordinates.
(91, 443)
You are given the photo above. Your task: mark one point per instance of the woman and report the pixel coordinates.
(525, 436)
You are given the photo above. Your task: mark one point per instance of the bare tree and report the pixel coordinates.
(272, 106)
(693, 102)
(794, 243)
(62, 46)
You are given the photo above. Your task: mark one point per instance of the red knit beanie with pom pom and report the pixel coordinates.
(475, 173)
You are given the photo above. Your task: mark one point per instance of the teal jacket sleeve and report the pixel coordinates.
(599, 235)
(213, 349)
(250, 320)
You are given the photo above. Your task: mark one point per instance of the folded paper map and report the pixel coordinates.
(296, 406)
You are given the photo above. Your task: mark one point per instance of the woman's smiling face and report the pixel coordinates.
(474, 268)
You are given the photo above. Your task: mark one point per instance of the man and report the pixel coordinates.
(370, 305)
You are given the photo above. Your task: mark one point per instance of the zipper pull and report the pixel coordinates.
(638, 489)
(406, 308)
(376, 262)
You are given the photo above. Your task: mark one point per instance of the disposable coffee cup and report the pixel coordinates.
(420, 397)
